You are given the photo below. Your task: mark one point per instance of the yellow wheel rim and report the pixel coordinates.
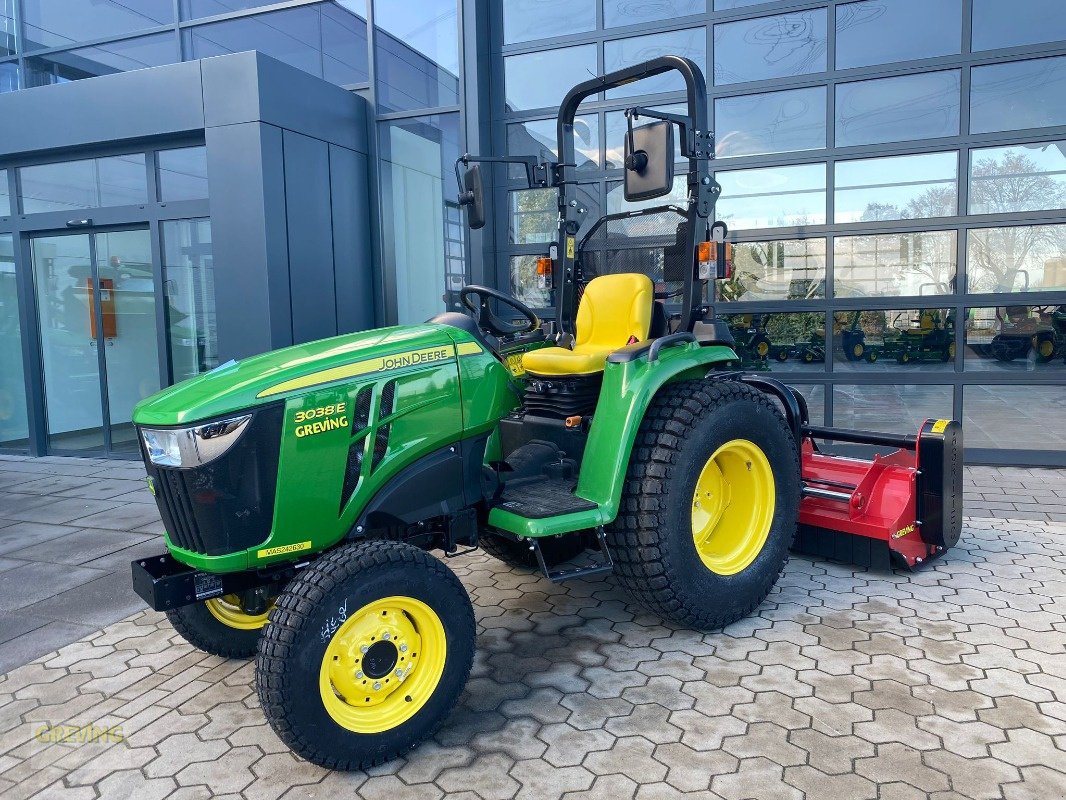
(857, 350)
(733, 507)
(383, 664)
(951, 350)
(1046, 349)
(227, 610)
(762, 348)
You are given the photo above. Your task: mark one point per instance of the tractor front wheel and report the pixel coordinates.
(366, 653)
(710, 503)
(222, 626)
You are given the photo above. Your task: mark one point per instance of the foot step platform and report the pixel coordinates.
(541, 497)
(571, 569)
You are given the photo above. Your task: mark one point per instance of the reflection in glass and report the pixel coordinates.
(182, 173)
(525, 283)
(892, 408)
(54, 23)
(7, 27)
(1019, 22)
(772, 197)
(541, 79)
(885, 31)
(193, 9)
(524, 20)
(922, 106)
(9, 77)
(897, 187)
(5, 197)
(1018, 95)
(416, 54)
(920, 338)
(14, 426)
(616, 199)
(534, 213)
(619, 53)
(1021, 177)
(893, 264)
(88, 183)
(630, 12)
(1014, 417)
(787, 269)
(1016, 338)
(104, 59)
(537, 138)
(615, 128)
(779, 342)
(814, 393)
(189, 269)
(326, 40)
(773, 122)
(770, 47)
(418, 183)
(1019, 258)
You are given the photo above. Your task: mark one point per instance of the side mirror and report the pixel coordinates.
(473, 197)
(649, 160)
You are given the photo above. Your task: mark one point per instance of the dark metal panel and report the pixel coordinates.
(128, 105)
(311, 290)
(353, 264)
(250, 246)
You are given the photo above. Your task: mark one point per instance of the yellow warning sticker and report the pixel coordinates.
(940, 425)
(285, 548)
(571, 246)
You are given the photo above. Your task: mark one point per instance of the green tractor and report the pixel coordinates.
(303, 490)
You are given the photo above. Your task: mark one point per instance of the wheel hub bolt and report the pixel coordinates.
(377, 685)
(363, 649)
(359, 675)
(399, 673)
(386, 636)
(403, 648)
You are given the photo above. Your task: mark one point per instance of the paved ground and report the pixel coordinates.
(947, 683)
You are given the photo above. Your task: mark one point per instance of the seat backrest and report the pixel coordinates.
(614, 309)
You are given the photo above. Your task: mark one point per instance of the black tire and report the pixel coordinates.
(202, 630)
(651, 540)
(517, 554)
(294, 645)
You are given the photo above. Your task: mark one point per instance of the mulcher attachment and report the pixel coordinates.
(905, 505)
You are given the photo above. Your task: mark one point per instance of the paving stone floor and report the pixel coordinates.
(945, 683)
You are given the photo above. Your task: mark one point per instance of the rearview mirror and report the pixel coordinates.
(473, 197)
(649, 160)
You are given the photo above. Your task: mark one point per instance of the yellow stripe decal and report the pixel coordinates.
(468, 349)
(411, 358)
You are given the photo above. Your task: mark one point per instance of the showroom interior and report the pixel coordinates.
(893, 174)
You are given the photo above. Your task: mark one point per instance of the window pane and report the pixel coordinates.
(330, 44)
(526, 284)
(534, 215)
(524, 20)
(182, 173)
(885, 31)
(5, 199)
(54, 23)
(7, 27)
(9, 77)
(1018, 95)
(770, 47)
(537, 138)
(915, 340)
(787, 342)
(114, 181)
(1019, 22)
(894, 264)
(691, 43)
(192, 9)
(788, 269)
(1016, 339)
(890, 408)
(14, 428)
(615, 128)
(1023, 177)
(1021, 258)
(106, 59)
(922, 106)
(1015, 417)
(418, 183)
(899, 187)
(417, 54)
(774, 122)
(190, 279)
(772, 197)
(627, 12)
(541, 79)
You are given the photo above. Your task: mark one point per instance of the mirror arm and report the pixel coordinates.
(540, 173)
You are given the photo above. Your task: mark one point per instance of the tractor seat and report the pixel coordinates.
(615, 310)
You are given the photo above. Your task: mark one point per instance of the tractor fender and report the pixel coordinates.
(628, 389)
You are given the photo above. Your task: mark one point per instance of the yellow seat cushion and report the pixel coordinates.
(614, 310)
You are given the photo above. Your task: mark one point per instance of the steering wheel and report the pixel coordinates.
(489, 321)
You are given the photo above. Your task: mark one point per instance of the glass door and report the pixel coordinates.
(99, 349)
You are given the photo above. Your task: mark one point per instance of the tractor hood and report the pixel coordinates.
(239, 385)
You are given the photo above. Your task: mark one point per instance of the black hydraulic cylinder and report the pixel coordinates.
(904, 442)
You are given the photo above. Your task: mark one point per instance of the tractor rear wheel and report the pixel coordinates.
(366, 653)
(710, 503)
(220, 626)
(518, 554)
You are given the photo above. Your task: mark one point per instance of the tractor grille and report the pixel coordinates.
(227, 505)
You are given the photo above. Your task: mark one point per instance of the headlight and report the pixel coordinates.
(194, 446)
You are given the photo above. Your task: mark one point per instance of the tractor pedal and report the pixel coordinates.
(568, 573)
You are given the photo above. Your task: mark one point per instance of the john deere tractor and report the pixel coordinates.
(303, 490)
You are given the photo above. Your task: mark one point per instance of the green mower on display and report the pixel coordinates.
(302, 489)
